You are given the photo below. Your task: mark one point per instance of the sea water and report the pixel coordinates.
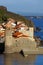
(18, 59)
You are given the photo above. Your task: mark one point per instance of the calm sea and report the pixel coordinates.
(18, 59)
(38, 22)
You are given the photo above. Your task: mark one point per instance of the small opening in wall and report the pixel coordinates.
(28, 29)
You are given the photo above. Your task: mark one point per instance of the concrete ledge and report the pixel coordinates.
(28, 51)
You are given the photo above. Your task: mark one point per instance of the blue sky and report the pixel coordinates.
(24, 7)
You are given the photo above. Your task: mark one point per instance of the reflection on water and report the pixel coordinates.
(1, 59)
(17, 59)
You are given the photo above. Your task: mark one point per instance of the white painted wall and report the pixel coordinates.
(31, 32)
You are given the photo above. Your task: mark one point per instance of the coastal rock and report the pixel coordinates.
(37, 29)
(3, 8)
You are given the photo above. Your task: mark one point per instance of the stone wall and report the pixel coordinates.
(20, 44)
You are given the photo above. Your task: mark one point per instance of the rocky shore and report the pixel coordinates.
(39, 41)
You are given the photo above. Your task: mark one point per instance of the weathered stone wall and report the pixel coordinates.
(20, 44)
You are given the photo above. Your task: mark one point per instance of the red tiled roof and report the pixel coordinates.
(2, 34)
(16, 34)
(19, 34)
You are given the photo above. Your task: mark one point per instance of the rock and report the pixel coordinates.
(3, 8)
(37, 29)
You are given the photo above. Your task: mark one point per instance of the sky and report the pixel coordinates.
(24, 7)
